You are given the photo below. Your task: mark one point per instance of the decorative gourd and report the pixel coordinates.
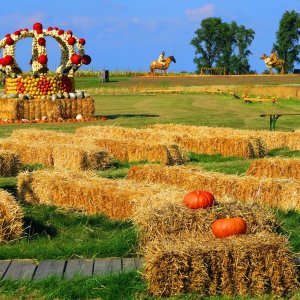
(199, 199)
(229, 226)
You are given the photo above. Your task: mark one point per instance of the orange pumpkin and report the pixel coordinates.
(229, 226)
(199, 199)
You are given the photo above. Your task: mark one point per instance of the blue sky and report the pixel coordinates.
(129, 34)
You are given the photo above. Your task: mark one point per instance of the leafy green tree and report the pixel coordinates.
(287, 39)
(220, 44)
(207, 43)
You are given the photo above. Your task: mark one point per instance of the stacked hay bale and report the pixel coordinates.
(255, 264)
(10, 163)
(279, 193)
(11, 218)
(183, 256)
(167, 217)
(17, 109)
(199, 143)
(60, 150)
(269, 139)
(30, 152)
(80, 158)
(275, 167)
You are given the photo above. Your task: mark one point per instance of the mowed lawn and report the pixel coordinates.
(54, 233)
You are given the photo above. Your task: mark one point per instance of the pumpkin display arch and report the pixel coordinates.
(70, 60)
(42, 94)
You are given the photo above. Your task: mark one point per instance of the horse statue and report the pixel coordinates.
(277, 64)
(156, 65)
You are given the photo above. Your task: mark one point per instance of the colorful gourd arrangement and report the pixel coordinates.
(221, 228)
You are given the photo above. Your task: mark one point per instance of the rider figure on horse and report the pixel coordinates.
(273, 58)
(161, 58)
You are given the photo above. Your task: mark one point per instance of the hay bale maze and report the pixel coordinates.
(273, 192)
(275, 167)
(206, 143)
(11, 218)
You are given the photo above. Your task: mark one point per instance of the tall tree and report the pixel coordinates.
(287, 39)
(207, 43)
(222, 45)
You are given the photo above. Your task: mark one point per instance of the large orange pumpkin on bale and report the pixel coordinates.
(229, 226)
(199, 199)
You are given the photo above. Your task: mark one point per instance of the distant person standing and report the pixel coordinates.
(161, 58)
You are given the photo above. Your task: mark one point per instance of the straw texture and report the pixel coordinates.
(17, 109)
(281, 193)
(275, 167)
(10, 163)
(167, 217)
(86, 192)
(268, 139)
(11, 218)
(238, 265)
(226, 145)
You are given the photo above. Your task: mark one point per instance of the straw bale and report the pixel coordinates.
(275, 167)
(30, 153)
(238, 265)
(167, 217)
(132, 150)
(50, 136)
(11, 218)
(78, 157)
(84, 191)
(281, 193)
(199, 143)
(36, 108)
(10, 163)
(270, 139)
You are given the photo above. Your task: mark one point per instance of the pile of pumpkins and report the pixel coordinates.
(221, 228)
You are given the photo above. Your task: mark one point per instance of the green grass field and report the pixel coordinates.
(54, 233)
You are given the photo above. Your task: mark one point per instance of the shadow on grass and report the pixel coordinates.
(112, 117)
(34, 229)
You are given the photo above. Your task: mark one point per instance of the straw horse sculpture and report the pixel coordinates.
(156, 65)
(277, 64)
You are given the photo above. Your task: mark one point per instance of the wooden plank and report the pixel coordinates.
(20, 269)
(131, 264)
(82, 267)
(107, 266)
(4, 264)
(48, 268)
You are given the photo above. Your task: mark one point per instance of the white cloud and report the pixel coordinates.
(197, 14)
(19, 20)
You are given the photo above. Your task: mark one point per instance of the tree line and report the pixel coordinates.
(220, 44)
